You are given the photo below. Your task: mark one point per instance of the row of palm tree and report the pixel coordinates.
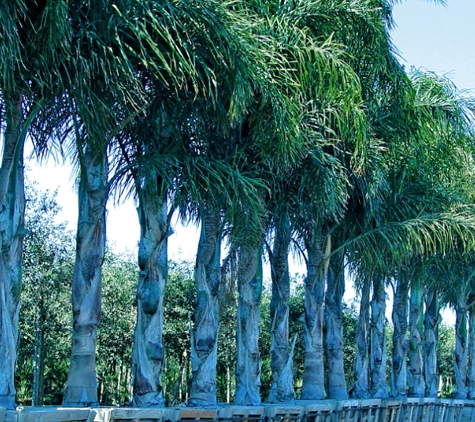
(276, 127)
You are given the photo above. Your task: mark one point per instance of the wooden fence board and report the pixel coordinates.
(369, 410)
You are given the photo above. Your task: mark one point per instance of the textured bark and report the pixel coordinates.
(81, 386)
(360, 387)
(12, 212)
(415, 374)
(399, 317)
(281, 383)
(431, 322)
(471, 350)
(379, 385)
(313, 386)
(336, 382)
(461, 347)
(204, 340)
(147, 354)
(248, 363)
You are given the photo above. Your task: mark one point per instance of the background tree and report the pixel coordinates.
(45, 315)
(115, 333)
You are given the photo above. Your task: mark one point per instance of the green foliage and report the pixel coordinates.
(227, 348)
(445, 359)
(46, 310)
(180, 293)
(116, 329)
(350, 317)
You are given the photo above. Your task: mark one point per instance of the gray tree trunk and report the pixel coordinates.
(461, 347)
(313, 386)
(281, 360)
(204, 339)
(12, 212)
(147, 354)
(81, 386)
(248, 361)
(360, 387)
(431, 322)
(415, 375)
(379, 384)
(471, 350)
(336, 382)
(399, 317)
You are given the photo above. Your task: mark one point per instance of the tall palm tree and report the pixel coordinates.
(202, 165)
(431, 320)
(361, 384)
(400, 342)
(471, 350)
(336, 380)
(440, 115)
(457, 290)
(281, 386)
(248, 364)
(32, 45)
(415, 377)
(102, 93)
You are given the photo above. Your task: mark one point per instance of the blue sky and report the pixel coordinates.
(438, 38)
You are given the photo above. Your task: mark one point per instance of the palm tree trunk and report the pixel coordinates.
(415, 376)
(313, 385)
(379, 384)
(147, 354)
(12, 211)
(461, 347)
(281, 365)
(81, 386)
(334, 328)
(471, 350)
(431, 322)
(204, 341)
(248, 360)
(399, 317)
(360, 387)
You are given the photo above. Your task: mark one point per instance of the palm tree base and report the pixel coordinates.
(153, 399)
(7, 401)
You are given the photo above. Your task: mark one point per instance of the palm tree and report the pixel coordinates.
(197, 173)
(378, 383)
(26, 88)
(415, 376)
(248, 365)
(471, 350)
(457, 290)
(431, 321)
(102, 94)
(361, 384)
(334, 326)
(281, 386)
(400, 343)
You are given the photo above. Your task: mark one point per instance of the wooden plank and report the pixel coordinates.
(196, 414)
(11, 416)
(284, 413)
(138, 414)
(348, 410)
(53, 414)
(242, 413)
(318, 411)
